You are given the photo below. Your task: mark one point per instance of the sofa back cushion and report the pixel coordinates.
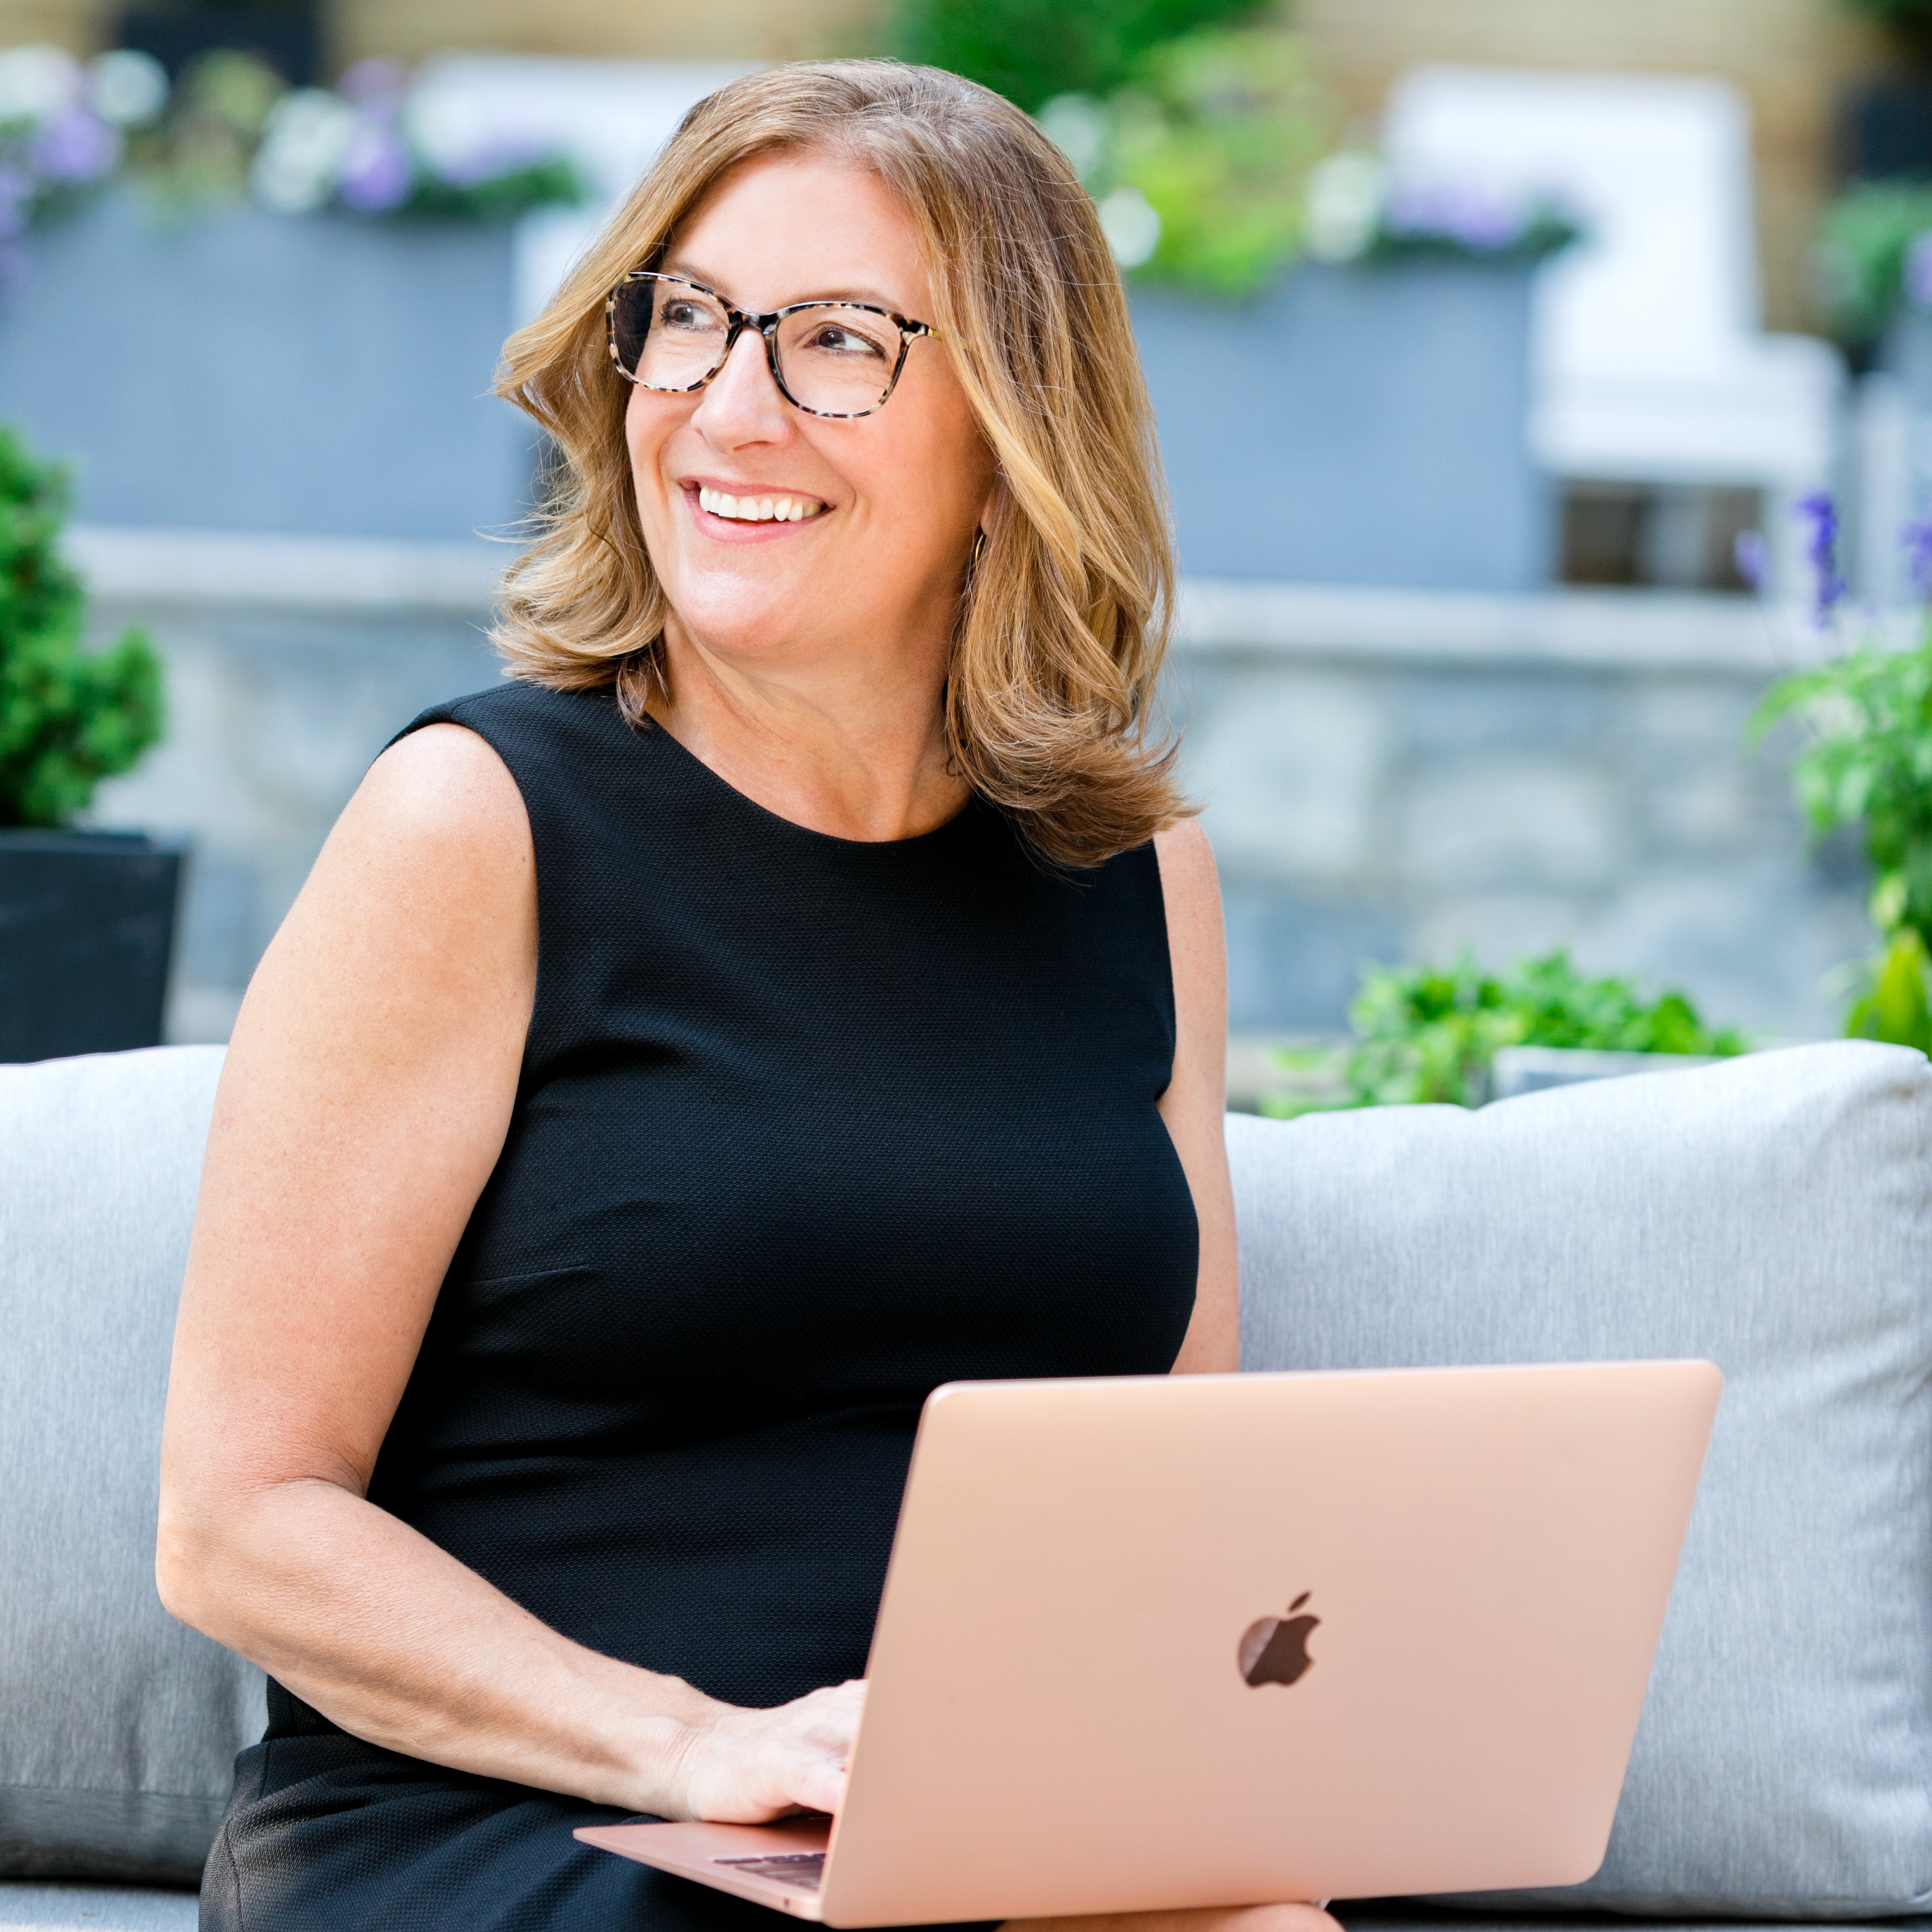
(1773, 1214)
(120, 1727)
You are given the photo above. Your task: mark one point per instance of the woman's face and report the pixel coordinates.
(891, 501)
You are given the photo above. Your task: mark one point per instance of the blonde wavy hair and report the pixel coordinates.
(1063, 616)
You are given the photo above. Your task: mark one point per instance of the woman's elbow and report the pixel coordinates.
(189, 1559)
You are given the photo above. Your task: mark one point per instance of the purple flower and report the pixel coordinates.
(1820, 514)
(1752, 557)
(377, 85)
(1918, 269)
(1915, 538)
(75, 145)
(1478, 217)
(505, 154)
(375, 175)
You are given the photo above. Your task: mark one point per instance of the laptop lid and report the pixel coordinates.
(1197, 1640)
(1200, 1640)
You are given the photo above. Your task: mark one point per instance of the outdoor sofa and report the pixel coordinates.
(1774, 1213)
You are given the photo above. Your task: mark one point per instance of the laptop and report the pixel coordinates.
(1194, 1640)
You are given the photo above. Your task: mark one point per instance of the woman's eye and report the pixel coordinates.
(684, 315)
(836, 339)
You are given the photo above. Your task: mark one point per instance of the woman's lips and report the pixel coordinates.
(733, 529)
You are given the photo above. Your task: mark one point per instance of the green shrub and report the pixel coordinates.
(1868, 763)
(68, 718)
(1863, 250)
(1218, 134)
(1029, 50)
(1431, 1033)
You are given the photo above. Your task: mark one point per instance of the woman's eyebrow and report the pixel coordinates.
(876, 297)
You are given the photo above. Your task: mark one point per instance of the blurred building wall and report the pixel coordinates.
(646, 30)
(1791, 58)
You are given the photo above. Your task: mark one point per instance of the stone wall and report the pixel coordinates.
(1393, 776)
(1386, 774)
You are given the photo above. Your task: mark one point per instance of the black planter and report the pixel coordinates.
(87, 923)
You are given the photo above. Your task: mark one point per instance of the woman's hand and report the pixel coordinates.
(741, 1767)
(1207, 1918)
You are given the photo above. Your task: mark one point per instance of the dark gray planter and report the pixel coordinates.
(242, 370)
(1365, 425)
(87, 922)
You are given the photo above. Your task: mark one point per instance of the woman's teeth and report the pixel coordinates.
(758, 509)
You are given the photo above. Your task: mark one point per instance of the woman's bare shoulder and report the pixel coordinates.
(1189, 881)
(444, 782)
(421, 908)
(1183, 848)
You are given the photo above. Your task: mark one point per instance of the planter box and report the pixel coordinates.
(1531, 1069)
(87, 922)
(1354, 425)
(243, 371)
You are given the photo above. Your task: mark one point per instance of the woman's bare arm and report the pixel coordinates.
(364, 1104)
(1196, 1098)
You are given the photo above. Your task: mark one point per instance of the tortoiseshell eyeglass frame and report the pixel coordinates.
(767, 326)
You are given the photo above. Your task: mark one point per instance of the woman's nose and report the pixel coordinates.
(742, 404)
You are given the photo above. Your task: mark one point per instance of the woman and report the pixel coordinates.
(799, 987)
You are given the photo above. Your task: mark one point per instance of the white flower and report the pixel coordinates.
(36, 83)
(1079, 127)
(1345, 194)
(446, 129)
(1131, 225)
(128, 88)
(306, 138)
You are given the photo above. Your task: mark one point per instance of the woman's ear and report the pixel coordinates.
(991, 505)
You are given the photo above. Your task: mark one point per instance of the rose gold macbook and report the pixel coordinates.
(1219, 1640)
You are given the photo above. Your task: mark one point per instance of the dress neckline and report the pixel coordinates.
(652, 728)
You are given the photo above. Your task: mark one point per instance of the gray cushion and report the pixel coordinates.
(81, 1908)
(120, 1727)
(1774, 1213)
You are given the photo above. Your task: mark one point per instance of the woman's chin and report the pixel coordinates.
(752, 620)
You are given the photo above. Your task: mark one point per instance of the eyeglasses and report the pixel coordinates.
(829, 359)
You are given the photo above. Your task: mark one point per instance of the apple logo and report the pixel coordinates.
(1275, 1650)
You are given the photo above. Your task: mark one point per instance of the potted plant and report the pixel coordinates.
(246, 307)
(87, 917)
(1435, 1033)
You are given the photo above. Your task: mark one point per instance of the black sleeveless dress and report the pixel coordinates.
(805, 1127)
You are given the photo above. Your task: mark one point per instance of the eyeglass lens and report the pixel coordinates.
(834, 360)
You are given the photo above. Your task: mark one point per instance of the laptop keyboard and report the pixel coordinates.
(803, 1869)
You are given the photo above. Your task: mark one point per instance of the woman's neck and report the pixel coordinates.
(852, 749)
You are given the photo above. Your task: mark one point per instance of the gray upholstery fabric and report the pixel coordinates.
(1774, 1213)
(79, 1908)
(120, 1727)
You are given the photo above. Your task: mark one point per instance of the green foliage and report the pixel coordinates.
(199, 153)
(68, 718)
(1218, 133)
(1430, 1034)
(1868, 235)
(1893, 1005)
(1029, 50)
(553, 181)
(1868, 763)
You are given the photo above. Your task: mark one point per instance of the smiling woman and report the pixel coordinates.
(797, 987)
(918, 196)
